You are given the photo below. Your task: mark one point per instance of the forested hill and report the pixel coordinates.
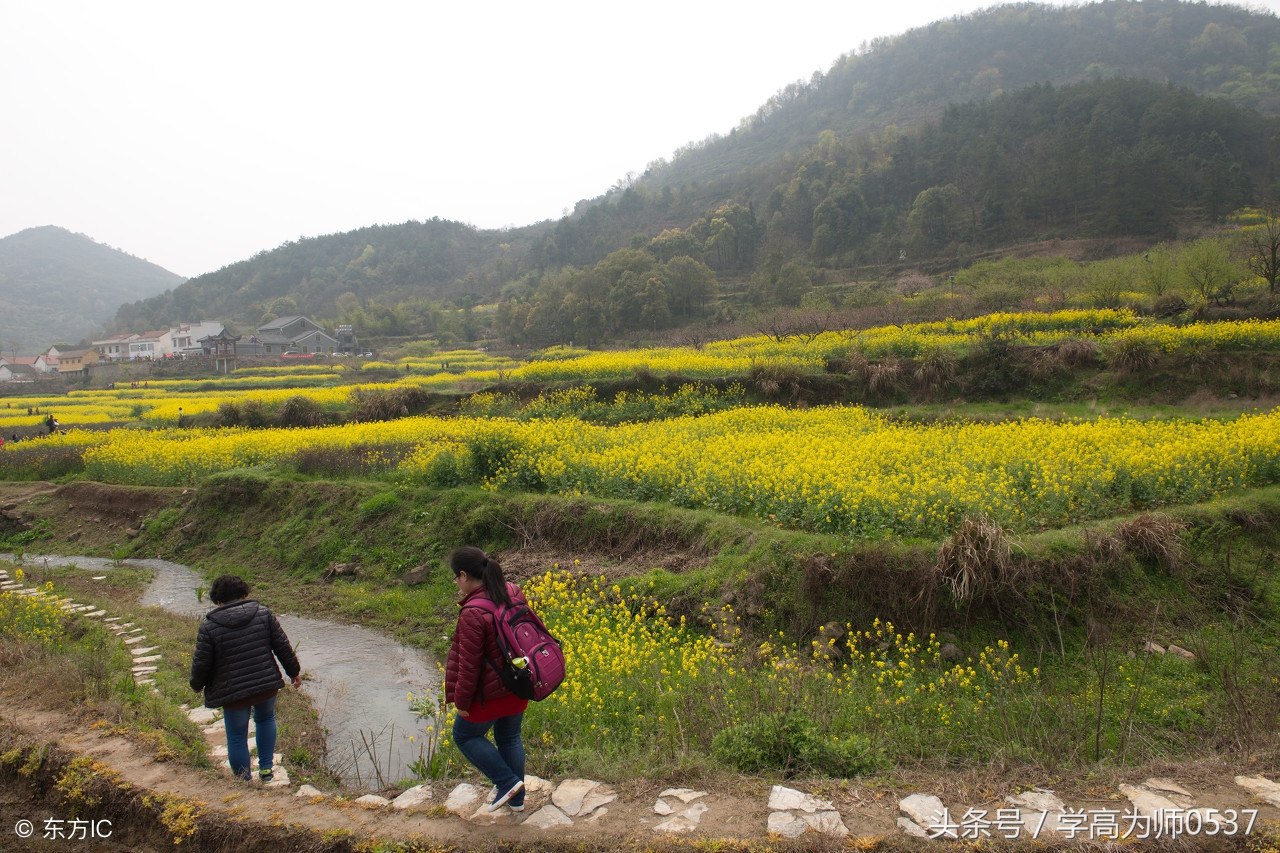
(956, 139)
(60, 286)
(1222, 51)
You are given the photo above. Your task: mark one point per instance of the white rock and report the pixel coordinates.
(148, 659)
(280, 779)
(570, 793)
(203, 716)
(662, 807)
(1181, 652)
(372, 801)
(138, 639)
(787, 825)
(828, 823)
(1041, 801)
(684, 795)
(597, 814)
(910, 827)
(219, 751)
(789, 799)
(1154, 648)
(462, 799)
(148, 650)
(412, 797)
(685, 821)
(1167, 785)
(309, 792)
(926, 810)
(1149, 805)
(595, 799)
(96, 613)
(547, 817)
(538, 785)
(1261, 787)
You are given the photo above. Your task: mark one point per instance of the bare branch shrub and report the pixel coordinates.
(886, 377)
(936, 371)
(1154, 538)
(1132, 355)
(977, 559)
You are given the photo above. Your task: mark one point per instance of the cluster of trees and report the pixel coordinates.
(631, 289)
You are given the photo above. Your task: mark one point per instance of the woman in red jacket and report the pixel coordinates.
(472, 683)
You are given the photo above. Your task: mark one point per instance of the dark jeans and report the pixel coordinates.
(503, 763)
(237, 725)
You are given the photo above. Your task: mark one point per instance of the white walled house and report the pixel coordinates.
(114, 348)
(185, 338)
(156, 344)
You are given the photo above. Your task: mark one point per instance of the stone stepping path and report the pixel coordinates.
(1157, 808)
(143, 671)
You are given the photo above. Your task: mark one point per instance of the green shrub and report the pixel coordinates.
(792, 744)
(379, 505)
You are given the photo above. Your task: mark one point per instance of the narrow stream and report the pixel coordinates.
(358, 679)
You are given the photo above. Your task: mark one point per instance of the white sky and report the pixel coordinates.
(196, 133)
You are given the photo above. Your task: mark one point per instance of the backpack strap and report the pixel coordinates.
(493, 609)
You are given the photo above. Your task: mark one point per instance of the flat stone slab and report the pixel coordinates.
(789, 799)
(97, 613)
(926, 811)
(415, 796)
(910, 827)
(203, 716)
(662, 807)
(145, 651)
(138, 639)
(147, 659)
(547, 817)
(684, 821)
(1168, 786)
(1261, 787)
(279, 777)
(538, 785)
(1041, 801)
(372, 801)
(580, 797)
(309, 792)
(787, 825)
(463, 799)
(684, 795)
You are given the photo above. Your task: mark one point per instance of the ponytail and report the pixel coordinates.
(479, 565)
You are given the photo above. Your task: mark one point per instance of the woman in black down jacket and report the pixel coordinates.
(235, 665)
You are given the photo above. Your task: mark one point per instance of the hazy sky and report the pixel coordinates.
(195, 134)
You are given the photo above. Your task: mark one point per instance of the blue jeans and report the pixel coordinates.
(503, 763)
(237, 725)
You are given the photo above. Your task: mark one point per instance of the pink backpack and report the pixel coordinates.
(533, 665)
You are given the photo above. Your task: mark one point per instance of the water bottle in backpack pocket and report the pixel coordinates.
(533, 661)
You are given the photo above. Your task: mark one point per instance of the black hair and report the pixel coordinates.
(228, 588)
(479, 565)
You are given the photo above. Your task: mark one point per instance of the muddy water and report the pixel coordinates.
(358, 679)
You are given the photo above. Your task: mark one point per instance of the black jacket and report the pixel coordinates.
(235, 653)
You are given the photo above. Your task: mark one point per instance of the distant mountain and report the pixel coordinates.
(963, 138)
(60, 286)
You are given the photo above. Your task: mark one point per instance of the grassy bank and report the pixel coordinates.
(748, 648)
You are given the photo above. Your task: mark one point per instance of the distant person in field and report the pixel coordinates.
(472, 683)
(234, 664)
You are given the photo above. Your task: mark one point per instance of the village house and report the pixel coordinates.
(155, 344)
(286, 335)
(114, 348)
(77, 362)
(186, 337)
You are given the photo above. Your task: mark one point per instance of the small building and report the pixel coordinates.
(77, 362)
(185, 338)
(155, 344)
(347, 340)
(289, 334)
(17, 372)
(114, 348)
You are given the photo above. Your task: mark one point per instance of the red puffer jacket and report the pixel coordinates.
(467, 680)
